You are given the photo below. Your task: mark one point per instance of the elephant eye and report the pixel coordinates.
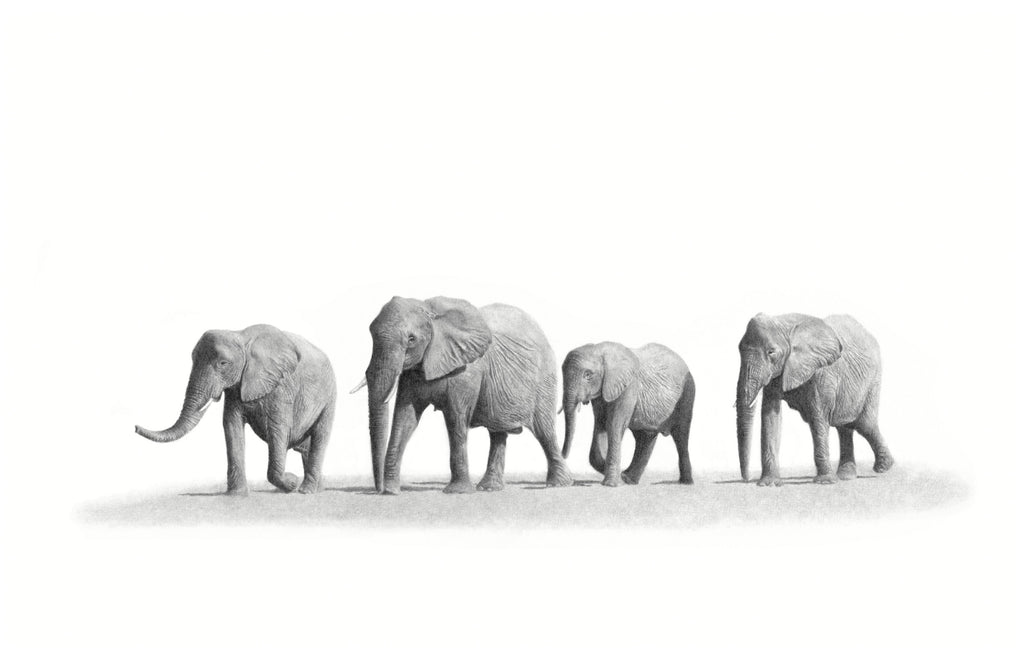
(771, 352)
(587, 374)
(412, 339)
(222, 363)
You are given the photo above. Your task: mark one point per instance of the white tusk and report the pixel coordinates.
(579, 406)
(560, 408)
(394, 389)
(359, 385)
(203, 408)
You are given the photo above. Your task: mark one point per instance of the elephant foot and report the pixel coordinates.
(309, 487)
(238, 491)
(686, 480)
(287, 482)
(460, 487)
(847, 471)
(630, 479)
(559, 476)
(883, 463)
(826, 479)
(612, 480)
(391, 487)
(491, 483)
(770, 481)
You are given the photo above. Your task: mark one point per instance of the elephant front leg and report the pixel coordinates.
(494, 479)
(278, 477)
(458, 430)
(234, 436)
(641, 456)
(771, 430)
(617, 422)
(819, 431)
(313, 459)
(407, 417)
(847, 463)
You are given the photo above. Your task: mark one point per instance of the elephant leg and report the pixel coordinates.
(681, 435)
(618, 420)
(641, 456)
(494, 478)
(847, 462)
(558, 472)
(867, 426)
(278, 477)
(771, 430)
(407, 417)
(313, 459)
(822, 462)
(234, 436)
(458, 430)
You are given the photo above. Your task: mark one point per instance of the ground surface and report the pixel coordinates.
(659, 501)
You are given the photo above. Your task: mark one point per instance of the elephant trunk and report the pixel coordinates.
(382, 380)
(746, 393)
(197, 399)
(570, 405)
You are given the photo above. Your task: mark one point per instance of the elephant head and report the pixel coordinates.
(789, 348)
(254, 360)
(438, 336)
(603, 370)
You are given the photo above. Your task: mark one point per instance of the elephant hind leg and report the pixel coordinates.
(313, 459)
(558, 472)
(494, 478)
(641, 455)
(681, 430)
(867, 426)
(847, 463)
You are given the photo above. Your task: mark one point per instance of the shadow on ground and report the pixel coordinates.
(658, 502)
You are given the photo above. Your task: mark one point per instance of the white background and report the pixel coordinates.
(642, 174)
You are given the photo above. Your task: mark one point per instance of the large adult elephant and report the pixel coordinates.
(277, 382)
(486, 367)
(829, 370)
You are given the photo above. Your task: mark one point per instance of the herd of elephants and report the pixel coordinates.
(492, 367)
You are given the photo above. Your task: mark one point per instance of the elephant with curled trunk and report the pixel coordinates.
(648, 390)
(486, 367)
(278, 383)
(829, 370)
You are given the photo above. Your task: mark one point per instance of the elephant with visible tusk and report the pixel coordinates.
(278, 383)
(648, 390)
(486, 367)
(829, 370)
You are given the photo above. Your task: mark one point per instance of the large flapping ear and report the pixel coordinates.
(621, 368)
(812, 346)
(461, 336)
(270, 356)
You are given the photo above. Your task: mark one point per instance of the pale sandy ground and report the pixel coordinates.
(659, 501)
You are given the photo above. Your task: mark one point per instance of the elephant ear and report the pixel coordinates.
(812, 346)
(460, 336)
(270, 357)
(621, 368)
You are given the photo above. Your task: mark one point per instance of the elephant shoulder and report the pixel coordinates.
(852, 334)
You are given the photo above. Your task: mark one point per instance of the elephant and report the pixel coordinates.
(829, 370)
(486, 367)
(649, 390)
(278, 383)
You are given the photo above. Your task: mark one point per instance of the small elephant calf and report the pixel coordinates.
(278, 383)
(649, 390)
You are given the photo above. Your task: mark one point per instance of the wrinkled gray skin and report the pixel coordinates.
(647, 390)
(829, 370)
(278, 383)
(490, 367)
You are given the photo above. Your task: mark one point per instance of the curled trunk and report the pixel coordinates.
(197, 398)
